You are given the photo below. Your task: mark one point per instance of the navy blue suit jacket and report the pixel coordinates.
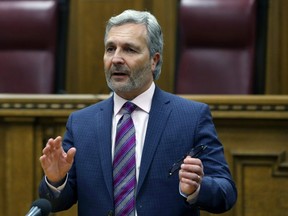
(175, 126)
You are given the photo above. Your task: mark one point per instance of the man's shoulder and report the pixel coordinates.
(95, 108)
(179, 100)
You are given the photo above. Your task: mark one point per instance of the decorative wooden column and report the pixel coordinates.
(277, 48)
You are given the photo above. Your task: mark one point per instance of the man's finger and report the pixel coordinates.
(70, 155)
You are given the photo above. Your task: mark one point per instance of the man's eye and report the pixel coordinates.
(110, 49)
(130, 50)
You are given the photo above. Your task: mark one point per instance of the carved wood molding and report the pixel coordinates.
(222, 106)
(245, 106)
(45, 105)
(277, 160)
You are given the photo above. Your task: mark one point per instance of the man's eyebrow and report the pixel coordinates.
(126, 44)
(133, 45)
(109, 43)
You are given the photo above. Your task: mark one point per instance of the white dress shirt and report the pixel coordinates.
(140, 118)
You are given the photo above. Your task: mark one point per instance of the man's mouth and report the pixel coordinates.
(119, 72)
(119, 75)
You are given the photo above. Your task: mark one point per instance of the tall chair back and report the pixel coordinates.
(216, 47)
(27, 46)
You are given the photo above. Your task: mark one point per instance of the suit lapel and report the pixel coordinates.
(103, 134)
(158, 116)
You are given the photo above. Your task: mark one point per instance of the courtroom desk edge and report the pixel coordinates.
(222, 106)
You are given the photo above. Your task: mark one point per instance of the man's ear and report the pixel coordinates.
(154, 60)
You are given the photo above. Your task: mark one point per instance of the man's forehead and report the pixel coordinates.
(128, 29)
(127, 33)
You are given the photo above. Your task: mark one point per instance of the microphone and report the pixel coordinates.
(40, 207)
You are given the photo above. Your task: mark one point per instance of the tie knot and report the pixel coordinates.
(129, 107)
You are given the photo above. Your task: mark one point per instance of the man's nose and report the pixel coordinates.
(118, 57)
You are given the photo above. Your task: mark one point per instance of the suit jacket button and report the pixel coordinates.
(110, 213)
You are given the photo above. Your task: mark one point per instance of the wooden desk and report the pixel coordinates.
(253, 130)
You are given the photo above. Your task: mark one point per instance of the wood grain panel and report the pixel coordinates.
(277, 48)
(88, 18)
(166, 14)
(254, 174)
(2, 169)
(19, 165)
(86, 43)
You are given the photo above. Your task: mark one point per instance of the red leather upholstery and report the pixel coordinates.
(216, 47)
(27, 46)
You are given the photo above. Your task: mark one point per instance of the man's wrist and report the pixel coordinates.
(58, 183)
(190, 198)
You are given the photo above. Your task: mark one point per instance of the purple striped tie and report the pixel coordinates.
(124, 164)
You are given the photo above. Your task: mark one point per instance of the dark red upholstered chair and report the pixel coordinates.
(216, 47)
(28, 35)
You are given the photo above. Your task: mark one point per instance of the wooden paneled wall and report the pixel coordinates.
(277, 48)
(85, 73)
(253, 130)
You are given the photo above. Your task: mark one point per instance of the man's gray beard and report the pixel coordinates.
(133, 83)
(125, 88)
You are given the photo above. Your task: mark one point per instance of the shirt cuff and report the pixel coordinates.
(192, 198)
(56, 190)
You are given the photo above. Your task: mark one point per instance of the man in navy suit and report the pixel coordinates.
(166, 128)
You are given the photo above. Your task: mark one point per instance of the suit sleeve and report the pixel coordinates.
(218, 192)
(68, 196)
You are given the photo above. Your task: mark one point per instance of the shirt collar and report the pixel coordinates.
(143, 101)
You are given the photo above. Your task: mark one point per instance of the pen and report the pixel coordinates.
(195, 152)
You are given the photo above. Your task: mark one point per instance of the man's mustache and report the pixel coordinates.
(119, 69)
